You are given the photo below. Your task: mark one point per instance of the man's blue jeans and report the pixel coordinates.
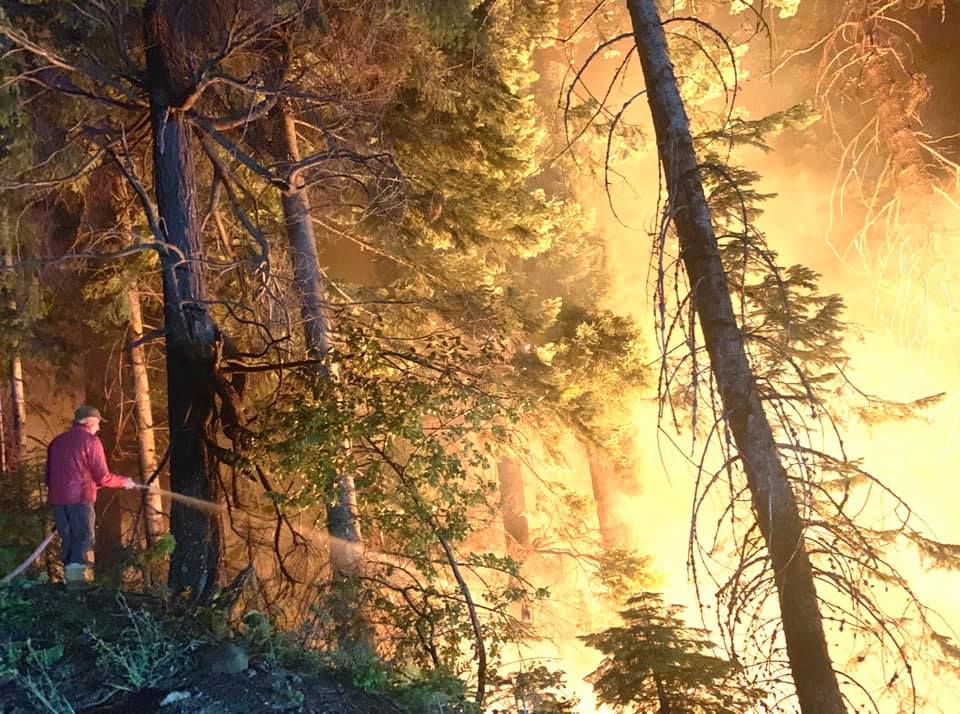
(75, 525)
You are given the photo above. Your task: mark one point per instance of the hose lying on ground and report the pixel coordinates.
(32, 557)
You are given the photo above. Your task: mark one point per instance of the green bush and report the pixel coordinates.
(362, 666)
(33, 670)
(23, 516)
(432, 691)
(144, 655)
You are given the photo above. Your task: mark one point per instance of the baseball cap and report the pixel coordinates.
(85, 411)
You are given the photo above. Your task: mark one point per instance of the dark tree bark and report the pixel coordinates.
(774, 502)
(192, 339)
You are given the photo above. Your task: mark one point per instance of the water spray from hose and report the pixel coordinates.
(198, 503)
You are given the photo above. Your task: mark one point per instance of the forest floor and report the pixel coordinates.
(95, 650)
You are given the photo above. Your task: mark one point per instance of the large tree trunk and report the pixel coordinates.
(897, 94)
(307, 280)
(774, 502)
(345, 563)
(342, 521)
(892, 97)
(143, 415)
(192, 339)
(513, 506)
(608, 497)
(18, 402)
(3, 440)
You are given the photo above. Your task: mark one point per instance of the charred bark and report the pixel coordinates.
(192, 338)
(774, 501)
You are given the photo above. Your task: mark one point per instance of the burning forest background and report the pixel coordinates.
(497, 372)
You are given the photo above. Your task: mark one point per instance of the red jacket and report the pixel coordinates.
(76, 467)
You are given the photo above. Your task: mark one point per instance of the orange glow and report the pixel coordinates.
(904, 343)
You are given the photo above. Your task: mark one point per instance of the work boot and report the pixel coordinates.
(75, 575)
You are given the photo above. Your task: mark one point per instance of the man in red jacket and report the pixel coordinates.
(76, 468)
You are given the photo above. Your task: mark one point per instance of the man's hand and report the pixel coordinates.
(129, 483)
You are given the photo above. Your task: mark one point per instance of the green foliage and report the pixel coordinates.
(409, 424)
(449, 25)
(655, 660)
(492, 240)
(36, 670)
(143, 655)
(14, 609)
(425, 691)
(23, 516)
(414, 689)
(258, 635)
(586, 361)
(145, 561)
(537, 690)
(465, 136)
(361, 665)
(256, 628)
(486, 252)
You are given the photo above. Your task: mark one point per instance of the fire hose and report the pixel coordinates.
(32, 557)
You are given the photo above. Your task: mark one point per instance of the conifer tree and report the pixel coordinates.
(654, 662)
(791, 337)
(430, 356)
(775, 504)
